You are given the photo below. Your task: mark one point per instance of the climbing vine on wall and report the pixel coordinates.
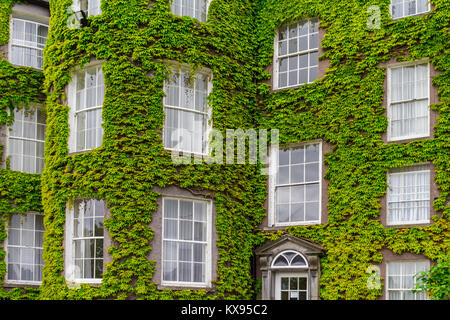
(345, 108)
(19, 192)
(134, 39)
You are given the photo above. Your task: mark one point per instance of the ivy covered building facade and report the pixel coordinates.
(97, 95)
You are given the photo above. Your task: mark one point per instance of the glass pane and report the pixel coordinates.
(281, 262)
(312, 211)
(170, 208)
(283, 195)
(89, 271)
(39, 239)
(185, 272)
(15, 221)
(312, 172)
(27, 238)
(394, 282)
(200, 211)
(186, 230)
(297, 194)
(303, 76)
(14, 237)
(99, 248)
(27, 256)
(283, 175)
(199, 274)
(312, 192)
(199, 231)
(13, 255)
(199, 252)
(98, 268)
(88, 227)
(186, 210)
(298, 261)
(26, 272)
(78, 249)
(98, 227)
(170, 229)
(185, 251)
(293, 283)
(302, 296)
(293, 46)
(282, 81)
(13, 271)
(302, 43)
(170, 250)
(284, 283)
(170, 271)
(297, 212)
(283, 157)
(283, 213)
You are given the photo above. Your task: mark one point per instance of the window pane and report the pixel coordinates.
(312, 211)
(199, 274)
(25, 247)
(186, 257)
(303, 38)
(312, 192)
(297, 212)
(170, 251)
(170, 229)
(283, 213)
(312, 172)
(28, 41)
(283, 175)
(170, 271)
(170, 208)
(186, 229)
(297, 173)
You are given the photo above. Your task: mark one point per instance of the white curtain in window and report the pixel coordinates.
(26, 141)
(409, 114)
(88, 236)
(409, 196)
(94, 7)
(184, 241)
(27, 42)
(401, 279)
(404, 8)
(297, 52)
(193, 8)
(89, 101)
(25, 239)
(297, 193)
(185, 110)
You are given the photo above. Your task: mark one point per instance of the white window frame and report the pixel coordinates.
(208, 250)
(400, 223)
(31, 19)
(389, 99)
(297, 274)
(69, 252)
(290, 266)
(386, 290)
(273, 184)
(207, 113)
(19, 282)
(72, 103)
(276, 57)
(412, 15)
(8, 136)
(76, 6)
(208, 2)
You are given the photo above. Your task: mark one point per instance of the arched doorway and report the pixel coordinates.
(289, 269)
